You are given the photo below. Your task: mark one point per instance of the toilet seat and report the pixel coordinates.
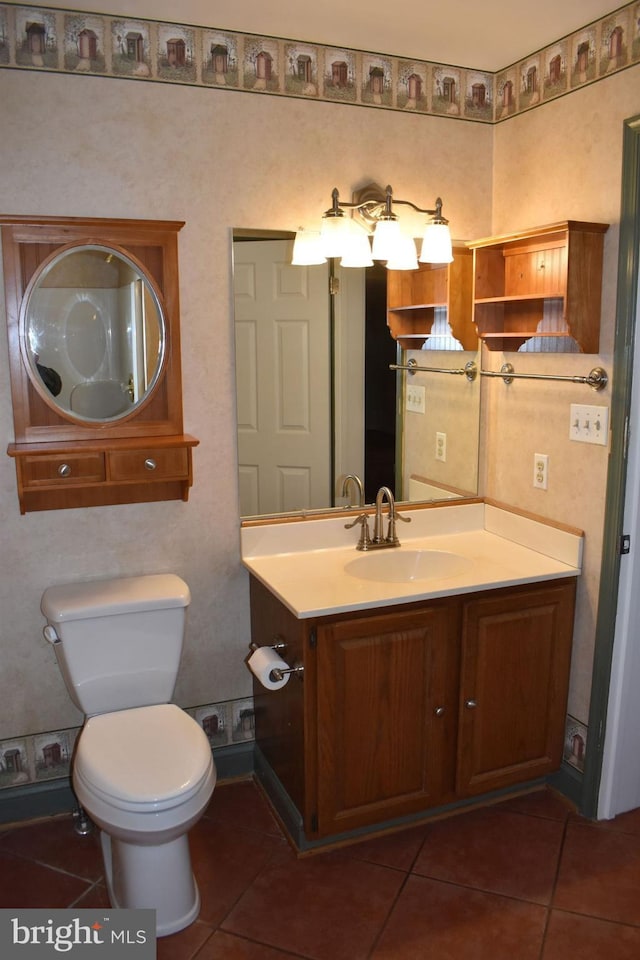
(143, 759)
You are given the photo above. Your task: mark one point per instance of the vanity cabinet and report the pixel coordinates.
(413, 296)
(543, 283)
(94, 350)
(413, 707)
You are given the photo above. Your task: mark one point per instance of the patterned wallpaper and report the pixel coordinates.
(43, 39)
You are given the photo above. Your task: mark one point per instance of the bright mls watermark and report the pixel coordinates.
(78, 934)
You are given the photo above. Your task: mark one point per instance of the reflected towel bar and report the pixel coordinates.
(597, 379)
(470, 370)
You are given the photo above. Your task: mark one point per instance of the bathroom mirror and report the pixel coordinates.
(317, 400)
(92, 333)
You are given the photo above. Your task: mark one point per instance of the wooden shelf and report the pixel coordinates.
(414, 295)
(515, 277)
(88, 473)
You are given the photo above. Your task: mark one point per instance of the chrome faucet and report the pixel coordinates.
(378, 541)
(377, 527)
(352, 479)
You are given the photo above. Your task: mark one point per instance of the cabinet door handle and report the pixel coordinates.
(150, 464)
(471, 704)
(64, 470)
(439, 711)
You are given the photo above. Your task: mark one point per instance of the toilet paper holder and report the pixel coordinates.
(280, 646)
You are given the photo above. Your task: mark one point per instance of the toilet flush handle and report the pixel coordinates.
(50, 634)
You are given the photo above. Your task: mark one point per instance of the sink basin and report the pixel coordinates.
(401, 566)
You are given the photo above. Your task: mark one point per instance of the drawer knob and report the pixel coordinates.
(439, 711)
(150, 464)
(64, 470)
(471, 704)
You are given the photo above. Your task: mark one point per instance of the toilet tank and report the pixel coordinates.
(118, 642)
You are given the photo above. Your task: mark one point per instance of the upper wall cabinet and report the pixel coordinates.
(419, 301)
(540, 288)
(94, 350)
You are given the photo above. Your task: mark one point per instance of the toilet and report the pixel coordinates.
(142, 768)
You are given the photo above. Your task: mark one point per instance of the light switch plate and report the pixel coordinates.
(416, 400)
(589, 424)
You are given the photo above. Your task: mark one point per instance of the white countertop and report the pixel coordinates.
(303, 562)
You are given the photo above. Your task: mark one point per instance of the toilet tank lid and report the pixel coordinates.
(103, 598)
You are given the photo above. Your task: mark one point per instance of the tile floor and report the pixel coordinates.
(524, 880)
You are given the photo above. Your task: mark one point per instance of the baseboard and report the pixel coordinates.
(234, 761)
(291, 817)
(568, 781)
(34, 801)
(280, 800)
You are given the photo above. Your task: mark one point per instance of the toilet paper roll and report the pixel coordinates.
(262, 661)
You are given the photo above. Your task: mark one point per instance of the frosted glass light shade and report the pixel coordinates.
(307, 248)
(334, 236)
(357, 252)
(385, 239)
(405, 255)
(436, 244)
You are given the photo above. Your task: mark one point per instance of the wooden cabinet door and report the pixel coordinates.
(516, 652)
(387, 715)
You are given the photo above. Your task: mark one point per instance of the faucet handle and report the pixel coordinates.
(365, 536)
(392, 536)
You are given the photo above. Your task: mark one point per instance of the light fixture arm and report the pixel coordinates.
(436, 214)
(381, 209)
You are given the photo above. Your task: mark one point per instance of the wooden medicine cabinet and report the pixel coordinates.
(94, 351)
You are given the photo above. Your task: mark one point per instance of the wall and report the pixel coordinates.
(562, 161)
(215, 159)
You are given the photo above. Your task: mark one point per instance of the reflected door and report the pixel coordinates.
(284, 435)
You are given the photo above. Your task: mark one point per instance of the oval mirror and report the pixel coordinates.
(93, 333)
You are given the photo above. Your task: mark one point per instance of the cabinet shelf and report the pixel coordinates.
(521, 298)
(413, 296)
(551, 273)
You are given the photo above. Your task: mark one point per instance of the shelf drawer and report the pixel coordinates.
(149, 464)
(62, 469)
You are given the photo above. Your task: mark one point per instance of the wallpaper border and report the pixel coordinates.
(48, 40)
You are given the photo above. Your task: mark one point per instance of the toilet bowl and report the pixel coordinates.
(142, 767)
(145, 776)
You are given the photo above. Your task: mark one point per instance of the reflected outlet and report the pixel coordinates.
(441, 447)
(540, 470)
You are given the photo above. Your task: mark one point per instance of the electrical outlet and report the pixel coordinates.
(540, 470)
(441, 447)
(589, 424)
(416, 399)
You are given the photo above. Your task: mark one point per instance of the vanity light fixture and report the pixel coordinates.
(347, 240)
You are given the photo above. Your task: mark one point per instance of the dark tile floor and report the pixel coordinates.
(524, 880)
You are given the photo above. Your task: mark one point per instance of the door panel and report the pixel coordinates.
(387, 708)
(281, 316)
(516, 654)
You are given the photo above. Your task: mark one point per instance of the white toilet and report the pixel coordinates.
(142, 768)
